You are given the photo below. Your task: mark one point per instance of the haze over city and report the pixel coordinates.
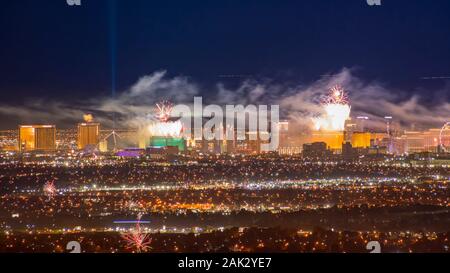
(338, 140)
(287, 54)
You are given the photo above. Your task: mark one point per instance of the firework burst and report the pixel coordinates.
(164, 127)
(163, 111)
(50, 189)
(336, 95)
(136, 239)
(337, 110)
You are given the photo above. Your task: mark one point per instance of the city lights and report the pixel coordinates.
(221, 136)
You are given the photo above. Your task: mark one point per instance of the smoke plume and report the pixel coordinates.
(299, 103)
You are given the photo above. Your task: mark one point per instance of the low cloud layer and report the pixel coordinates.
(298, 103)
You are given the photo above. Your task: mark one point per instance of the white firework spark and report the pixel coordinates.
(136, 239)
(163, 111)
(337, 111)
(50, 189)
(166, 129)
(337, 95)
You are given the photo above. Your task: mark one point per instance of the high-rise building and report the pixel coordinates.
(333, 139)
(316, 150)
(360, 140)
(390, 133)
(361, 123)
(348, 152)
(423, 141)
(37, 138)
(284, 133)
(350, 128)
(88, 135)
(388, 125)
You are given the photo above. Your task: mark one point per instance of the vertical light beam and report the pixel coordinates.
(113, 49)
(113, 44)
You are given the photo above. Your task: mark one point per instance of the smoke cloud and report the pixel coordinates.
(299, 103)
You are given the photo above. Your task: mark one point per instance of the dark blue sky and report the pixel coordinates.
(51, 50)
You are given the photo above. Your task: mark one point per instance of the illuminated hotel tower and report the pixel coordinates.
(88, 135)
(283, 127)
(37, 138)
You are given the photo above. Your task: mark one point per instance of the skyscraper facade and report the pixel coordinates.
(37, 138)
(88, 135)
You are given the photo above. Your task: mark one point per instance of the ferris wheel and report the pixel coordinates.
(444, 137)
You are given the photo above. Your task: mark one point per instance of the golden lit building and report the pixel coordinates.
(333, 139)
(88, 135)
(361, 140)
(37, 138)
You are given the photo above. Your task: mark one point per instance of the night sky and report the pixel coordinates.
(53, 51)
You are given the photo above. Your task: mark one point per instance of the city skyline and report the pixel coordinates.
(135, 57)
(299, 104)
(211, 133)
